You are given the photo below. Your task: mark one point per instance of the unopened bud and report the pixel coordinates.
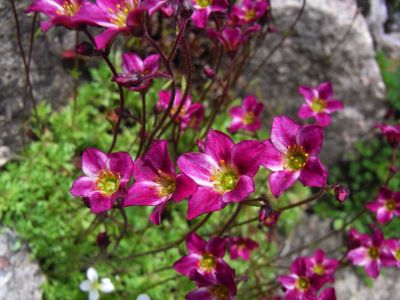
(341, 192)
(265, 212)
(103, 240)
(271, 219)
(86, 49)
(128, 80)
(209, 72)
(186, 9)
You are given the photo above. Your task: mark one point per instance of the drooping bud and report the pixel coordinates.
(265, 212)
(86, 49)
(271, 220)
(209, 72)
(128, 80)
(186, 9)
(103, 240)
(341, 192)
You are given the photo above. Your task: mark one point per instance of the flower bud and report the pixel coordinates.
(86, 49)
(186, 9)
(341, 192)
(209, 72)
(271, 219)
(128, 80)
(265, 212)
(103, 240)
(200, 144)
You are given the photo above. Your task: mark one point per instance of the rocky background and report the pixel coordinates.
(334, 40)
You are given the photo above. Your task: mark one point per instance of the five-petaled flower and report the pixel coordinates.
(291, 153)
(247, 115)
(391, 132)
(248, 11)
(157, 182)
(369, 254)
(204, 257)
(223, 172)
(320, 265)
(135, 70)
(105, 180)
(241, 247)
(93, 286)
(300, 284)
(319, 103)
(220, 287)
(386, 206)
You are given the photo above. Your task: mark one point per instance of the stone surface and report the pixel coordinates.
(49, 79)
(20, 278)
(326, 45)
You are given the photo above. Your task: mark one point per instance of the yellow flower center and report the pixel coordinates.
(167, 184)
(220, 292)
(319, 269)
(249, 118)
(303, 283)
(203, 3)
(318, 105)
(390, 205)
(70, 8)
(108, 182)
(120, 14)
(224, 179)
(296, 158)
(250, 15)
(208, 262)
(397, 254)
(373, 253)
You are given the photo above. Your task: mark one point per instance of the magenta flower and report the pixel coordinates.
(190, 115)
(320, 265)
(71, 14)
(107, 176)
(133, 67)
(291, 153)
(355, 239)
(369, 254)
(386, 206)
(319, 103)
(246, 116)
(248, 11)
(392, 253)
(241, 247)
(391, 132)
(224, 172)
(220, 287)
(232, 38)
(300, 285)
(327, 294)
(156, 181)
(204, 257)
(204, 8)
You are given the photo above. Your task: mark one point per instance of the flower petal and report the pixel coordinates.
(283, 133)
(100, 203)
(83, 187)
(203, 201)
(121, 163)
(310, 137)
(281, 181)
(244, 188)
(91, 274)
(334, 105)
(85, 286)
(104, 38)
(198, 166)
(314, 173)
(132, 63)
(93, 161)
(156, 215)
(288, 281)
(358, 256)
(106, 286)
(94, 295)
(185, 187)
(383, 215)
(187, 264)
(201, 293)
(143, 193)
(305, 112)
(272, 158)
(246, 156)
(216, 246)
(325, 90)
(373, 268)
(323, 119)
(195, 244)
(218, 145)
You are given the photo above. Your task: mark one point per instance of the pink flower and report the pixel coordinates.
(249, 11)
(319, 103)
(246, 116)
(386, 206)
(190, 115)
(134, 68)
(241, 247)
(204, 8)
(220, 287)
(224, 172)
(369, 254)
(156, 181)
(322, 266)
(292, 153)
(107, 176)
(232, 38)
(392, 133)
(204, 257)
(392, 253)
(300, 285)
(71, 14)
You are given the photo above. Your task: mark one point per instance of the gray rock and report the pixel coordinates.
(20, 278)
(314, 53)
(49, 79)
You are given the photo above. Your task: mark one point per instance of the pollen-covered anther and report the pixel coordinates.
(318, 105)
(250, 15)
(208, 262)
(108, 182)
(390, 205)
(203, 3)
(319, 269)
(303, 283)
(249, 118)
(296, 158)
(373, 253)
